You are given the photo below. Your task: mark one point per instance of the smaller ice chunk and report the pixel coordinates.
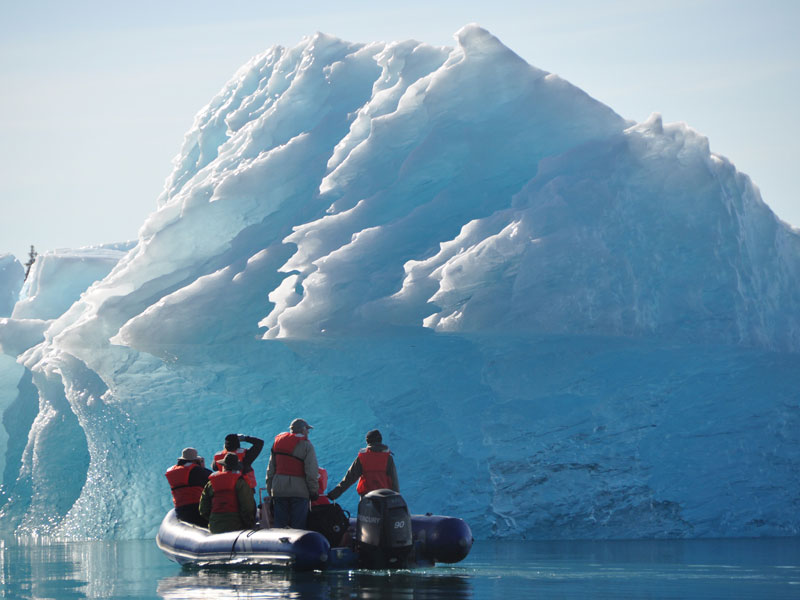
(59, 277)
(11, 277)
(17, 335)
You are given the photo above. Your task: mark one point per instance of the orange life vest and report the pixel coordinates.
(224, 485)
(285, 462)
(249, 477)
(323, 483)
(182, 492)
(373, 471)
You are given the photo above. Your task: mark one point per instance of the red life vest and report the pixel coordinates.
(249, 477)
(323, 483)
(373, 471)
(182, 492)
(224, 485)
(285, 462)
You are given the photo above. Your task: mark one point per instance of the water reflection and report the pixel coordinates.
(66, 570)
(38, 571)
(364, 585)
(688, 569)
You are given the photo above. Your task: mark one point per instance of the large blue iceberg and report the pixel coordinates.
(566, 324)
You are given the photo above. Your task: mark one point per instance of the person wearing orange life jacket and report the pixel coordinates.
(292, 476)
(327, 518)
(186, 480)
(373, 468)
(323, 483)
(227, 501)
(246, 457)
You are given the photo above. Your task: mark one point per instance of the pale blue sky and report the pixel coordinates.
(97, 95)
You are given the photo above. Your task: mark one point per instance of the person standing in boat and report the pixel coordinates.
(186, 480)
(246, 457)
(292, 476)
(322, 499)
(227, 500)
(373, 468)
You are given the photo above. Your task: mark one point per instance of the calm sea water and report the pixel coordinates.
(705, 569)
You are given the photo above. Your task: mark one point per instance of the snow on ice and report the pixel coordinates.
(577, 325)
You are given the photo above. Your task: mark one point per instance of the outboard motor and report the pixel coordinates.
(383, 530)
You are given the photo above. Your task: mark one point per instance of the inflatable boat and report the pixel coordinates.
(384, 536)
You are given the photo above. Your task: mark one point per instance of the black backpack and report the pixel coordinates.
(331, 520)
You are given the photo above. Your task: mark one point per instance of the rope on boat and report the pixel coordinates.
(233, 546)
(249, 532)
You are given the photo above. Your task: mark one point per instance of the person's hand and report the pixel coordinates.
(313, 497)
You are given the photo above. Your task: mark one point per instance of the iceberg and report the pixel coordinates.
(579, 325)
(11, 278)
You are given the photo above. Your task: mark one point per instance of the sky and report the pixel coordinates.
(97, 96)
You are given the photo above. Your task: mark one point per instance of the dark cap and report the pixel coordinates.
(374, 437)
(231, 462)
(232, 441)
(299, 425)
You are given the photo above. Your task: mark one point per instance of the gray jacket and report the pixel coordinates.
(290, 486)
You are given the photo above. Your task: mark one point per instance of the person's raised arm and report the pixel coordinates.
(256, 445)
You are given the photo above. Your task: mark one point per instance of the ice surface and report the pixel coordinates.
(59, 277)
(11, 276)
(586, 327)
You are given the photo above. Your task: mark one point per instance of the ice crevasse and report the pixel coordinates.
(583, 326)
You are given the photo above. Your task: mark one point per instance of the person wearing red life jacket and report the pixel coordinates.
(373, 468)
(327, 518)
(292, 476)
(227, 501)
(323, 483)
(246, 457)
(186, 480)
